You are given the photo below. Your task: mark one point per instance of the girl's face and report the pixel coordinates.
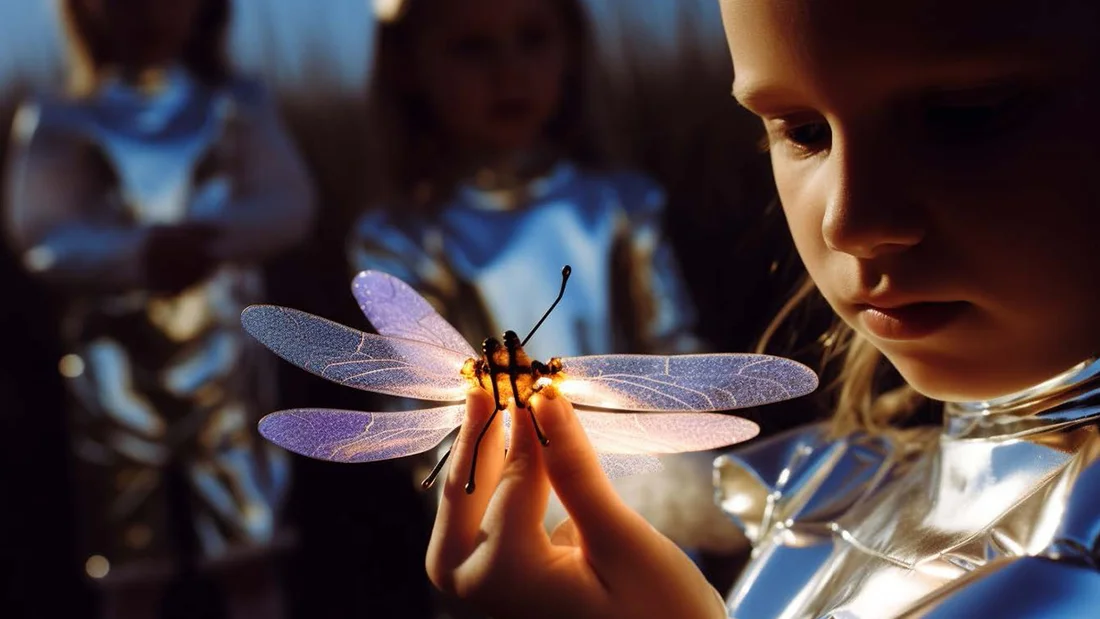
(146, 33)
(937, 162)
(491, 70)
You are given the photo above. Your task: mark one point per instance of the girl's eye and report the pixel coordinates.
(809, 135)
(977, 116)
(805, 138)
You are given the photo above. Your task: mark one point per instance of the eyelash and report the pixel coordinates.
(787, 133)
(944, 121)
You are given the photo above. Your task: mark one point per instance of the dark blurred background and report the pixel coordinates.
(362, 530)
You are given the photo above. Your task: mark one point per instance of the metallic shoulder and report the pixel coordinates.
(803, 475)
(1062, 581)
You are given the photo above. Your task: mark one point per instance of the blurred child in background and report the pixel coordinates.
(492, 175)
(147, 197)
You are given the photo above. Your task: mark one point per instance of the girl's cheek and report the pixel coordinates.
(804, 193)
(804, 220)
(800, 218)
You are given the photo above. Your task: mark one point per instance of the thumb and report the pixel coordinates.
(600, 517)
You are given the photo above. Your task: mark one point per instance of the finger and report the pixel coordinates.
(516, 513)
(602, 519)
(565, 534)
(458, 520)
(481, 459)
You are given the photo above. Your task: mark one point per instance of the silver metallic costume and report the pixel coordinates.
(163, 378)
(993, 515)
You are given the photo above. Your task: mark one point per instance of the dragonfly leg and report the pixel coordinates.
(477, 446)
(512, 343)
(496, 395)
(430, 479)
(538, 431)
(489, 348)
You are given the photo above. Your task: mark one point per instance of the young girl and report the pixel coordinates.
(939, 188)
(147, 197)
(493, 178)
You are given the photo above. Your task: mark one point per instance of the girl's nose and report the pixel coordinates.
(872, 205)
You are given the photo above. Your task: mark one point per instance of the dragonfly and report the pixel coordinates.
(631, 406)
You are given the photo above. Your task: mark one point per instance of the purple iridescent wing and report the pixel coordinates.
(683, 382)
(356, 359)
(352, 436)
(663, 433)
(395, 309)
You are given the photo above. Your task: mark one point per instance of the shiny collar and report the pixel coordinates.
(1067, 399)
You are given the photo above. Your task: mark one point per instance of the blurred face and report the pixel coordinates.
(937, 164)
(145, 33)
(491, 70)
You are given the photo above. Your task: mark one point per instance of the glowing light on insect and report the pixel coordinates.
(656, 404)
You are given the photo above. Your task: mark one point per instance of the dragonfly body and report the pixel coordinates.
(506, 371)
(651, 404)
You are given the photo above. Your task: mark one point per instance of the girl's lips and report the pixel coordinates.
(911, 321)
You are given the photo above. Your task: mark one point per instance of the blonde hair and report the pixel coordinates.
(860, 399)
(407, 165)
(88, 45)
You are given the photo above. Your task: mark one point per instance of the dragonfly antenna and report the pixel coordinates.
(565, 272)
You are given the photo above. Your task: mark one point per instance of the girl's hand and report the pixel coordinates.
(606, 561)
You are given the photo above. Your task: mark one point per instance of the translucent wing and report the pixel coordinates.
(356, 359)
(352, 436)
(623, 465)
(395, 309)
(651, 433)
(683, 382)
(614, 464)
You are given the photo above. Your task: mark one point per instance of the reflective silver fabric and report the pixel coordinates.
(935, 521)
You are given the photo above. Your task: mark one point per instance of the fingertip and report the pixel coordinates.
(479, 404)
(572, 462)
(554, 414)
(564, 433)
